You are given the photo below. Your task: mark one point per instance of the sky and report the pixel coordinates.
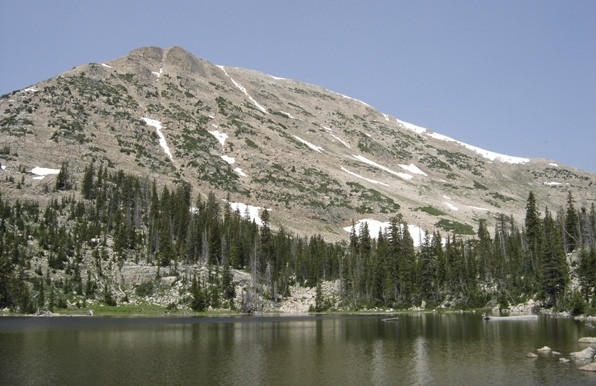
(513, 77)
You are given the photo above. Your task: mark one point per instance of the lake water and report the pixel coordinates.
(418, 349)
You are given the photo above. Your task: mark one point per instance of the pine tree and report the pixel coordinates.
(198, 301)
(572, 231)
(554, 271)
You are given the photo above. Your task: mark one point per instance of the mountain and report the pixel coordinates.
(318, 160)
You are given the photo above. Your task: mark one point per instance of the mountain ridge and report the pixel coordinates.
(318, 159)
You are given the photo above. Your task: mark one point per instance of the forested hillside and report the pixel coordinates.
(69, 252)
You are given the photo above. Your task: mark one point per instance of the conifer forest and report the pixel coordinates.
(55, 254)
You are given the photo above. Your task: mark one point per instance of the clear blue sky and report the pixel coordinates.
(514, 77)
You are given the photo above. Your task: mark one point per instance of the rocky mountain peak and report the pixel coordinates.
(316, 158)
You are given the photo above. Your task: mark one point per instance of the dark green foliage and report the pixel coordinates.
(126, 218)
(63, 180)
(198, 302)
(145, 289)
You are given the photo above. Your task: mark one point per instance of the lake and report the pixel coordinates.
(417, 349)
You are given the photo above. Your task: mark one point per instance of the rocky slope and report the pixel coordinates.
(316, 158)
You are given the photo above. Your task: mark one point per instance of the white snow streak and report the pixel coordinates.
(478, 208)
(221, 137)
(555, 183)
(360, 158)
(105, 65)
(240, 172)
(413, 169)
(553, 164)
(288, 114)
(3, 167)
(314, 147)
(484, 153)
(229, 160)
(162, 139)
(241, 88)
(409, 126)
(31, 89)
(451, 206)
(341, 141)
(364, 178)
(330, 130)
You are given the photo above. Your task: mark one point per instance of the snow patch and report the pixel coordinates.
(31, 89)
(105, 65)
(248, 210)
(386, 117)
(364, 178)
(241, 88)
(451, 206)
(44, 171)
(478, 208)
(288, 114)
(221, 137)
(277, 77)
(555, 183)
(409, 126)
(447, 197)
(553, 164)
(404, 176)
(158, 74)
(314, 147)
(3, 167)
(229, 160)
(413, 169)
(374, 226)
(240, 172)
(162, 139)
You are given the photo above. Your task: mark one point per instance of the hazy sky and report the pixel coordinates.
(514, 77)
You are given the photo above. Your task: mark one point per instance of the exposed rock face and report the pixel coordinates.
(318, 159)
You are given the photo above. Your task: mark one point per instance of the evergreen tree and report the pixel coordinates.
(198, 301)
(572, 231)
(554, 271)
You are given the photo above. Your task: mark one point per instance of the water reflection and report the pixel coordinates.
(421, 349)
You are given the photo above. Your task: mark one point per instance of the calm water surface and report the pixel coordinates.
(418, 349)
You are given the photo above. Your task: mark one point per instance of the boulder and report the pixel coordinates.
(589, 367)
(587, 353)
(563, 360)
(588, 339)
(545, 349)
(168, 281)
(531, 355)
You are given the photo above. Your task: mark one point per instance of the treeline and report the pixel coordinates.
(56, 255)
